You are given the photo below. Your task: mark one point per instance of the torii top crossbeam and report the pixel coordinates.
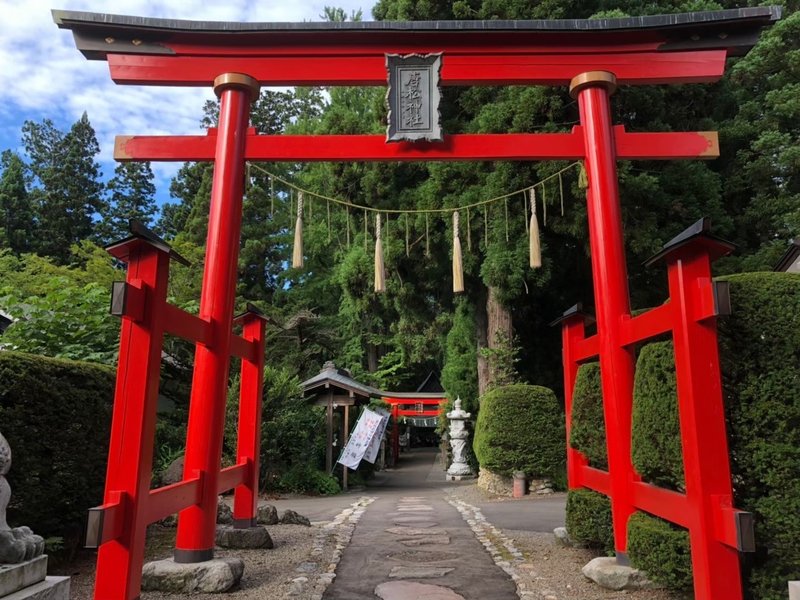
(680, 48)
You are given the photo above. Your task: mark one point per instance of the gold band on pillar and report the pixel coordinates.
(237, 80)
(593, 78)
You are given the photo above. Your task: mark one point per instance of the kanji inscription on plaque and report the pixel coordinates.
(413, 97)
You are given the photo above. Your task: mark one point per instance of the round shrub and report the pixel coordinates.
(656, 451)
(661, 550)
(588, 434)
(589, 520)
(520, 428)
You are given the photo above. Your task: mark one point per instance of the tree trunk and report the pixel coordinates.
(493, 327)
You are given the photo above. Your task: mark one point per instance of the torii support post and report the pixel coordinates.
(197, 524)
(717, 531)
(122, 520)
(610, 277)
(251, 387)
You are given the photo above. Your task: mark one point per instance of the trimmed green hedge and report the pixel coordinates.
(661, 550)
(760, 354)
(589, 520)
(656, 456)
(56, 416)
(520, 428)
(588, 434)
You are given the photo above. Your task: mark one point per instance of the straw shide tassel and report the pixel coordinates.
(380, 276)
(297, 252)
(458, 266)
(535, 246)
(583, 178)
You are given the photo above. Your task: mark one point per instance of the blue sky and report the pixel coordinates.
(44, 76)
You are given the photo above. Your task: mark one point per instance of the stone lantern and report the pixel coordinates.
(458, 434)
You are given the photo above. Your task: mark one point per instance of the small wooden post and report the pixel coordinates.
(345, 437)
(329, 448)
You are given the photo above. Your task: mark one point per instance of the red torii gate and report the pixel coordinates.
(425, 405)
(592, 57)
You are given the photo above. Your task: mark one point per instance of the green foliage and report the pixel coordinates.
(657, 457)
(588, 433)
(292, 429)
(56, 416)
(132, 198)
(661, 550)
(520, 428)
(16, 214)
(502, 360)
(589, 519)
(760, 348)
(65, 322)
(304, 479)
(460, 372)
(69, 191)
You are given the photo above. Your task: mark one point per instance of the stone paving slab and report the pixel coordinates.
(409, 590)
(404, 572)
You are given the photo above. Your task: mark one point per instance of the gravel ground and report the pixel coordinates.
(268, 574)
(542, 568)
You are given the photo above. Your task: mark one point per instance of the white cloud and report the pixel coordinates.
(46, 77)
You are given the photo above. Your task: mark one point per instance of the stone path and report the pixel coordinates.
(411, 544)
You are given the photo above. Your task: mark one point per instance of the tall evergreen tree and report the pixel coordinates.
(16, 215)
(132, 198)
(68, 192)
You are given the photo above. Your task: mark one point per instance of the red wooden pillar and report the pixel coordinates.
(196, 524)
(715, 563)
(396, 433)
(140, 302)
(610, 278)
(245, 502)
(572, 332)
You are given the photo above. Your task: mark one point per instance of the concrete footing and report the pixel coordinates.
(210, 576)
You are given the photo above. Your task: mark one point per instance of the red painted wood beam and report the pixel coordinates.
(649, 324)
(594, 479)
(586, 349)
(171, 499)
(487, 146)
(243, 348)
(414, 400)
(230, 477)
(107, 522)
(414, 413)
(185, 325)
(669, 505)
(458, 68)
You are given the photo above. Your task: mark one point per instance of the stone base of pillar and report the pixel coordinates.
(459, 477)
(209, 577)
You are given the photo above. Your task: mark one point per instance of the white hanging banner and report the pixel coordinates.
(375, 443)
(365, 429)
